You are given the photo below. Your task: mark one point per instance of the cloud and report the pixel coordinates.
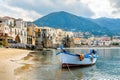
(16, 12)
(19, 13)
(40, 6)
(44, 7)
(33, 9)
(99, 7)
(116, 5)
(78, 8)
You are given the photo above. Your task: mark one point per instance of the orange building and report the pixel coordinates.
(77, 41)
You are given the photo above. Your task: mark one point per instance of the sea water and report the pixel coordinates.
(45, 65)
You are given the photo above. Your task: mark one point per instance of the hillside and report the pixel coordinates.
(112, 24)
(71, 22)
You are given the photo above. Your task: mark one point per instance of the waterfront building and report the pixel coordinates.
(38, 35)
(4, 29)
(43, 37)
(116, 37)
(5, 37)
(78, 34)
(69, 33)
(20, 31)
(52, 37)
(7, 21)
(116, 40)
(31, 33)
(14, 28)
(58, 37)
(77, 41)
(104, 41)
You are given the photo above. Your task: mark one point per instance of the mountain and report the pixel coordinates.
(70, 22)
(112, 24)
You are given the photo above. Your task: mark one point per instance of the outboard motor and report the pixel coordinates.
(92, 51)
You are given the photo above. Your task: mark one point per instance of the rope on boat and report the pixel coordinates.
(71, 72)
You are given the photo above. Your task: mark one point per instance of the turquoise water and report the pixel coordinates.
(45, 65)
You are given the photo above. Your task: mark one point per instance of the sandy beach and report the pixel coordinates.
(7, 66)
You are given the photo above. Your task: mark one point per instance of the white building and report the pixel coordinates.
(20, 30)
(4, 29)
(7, 21)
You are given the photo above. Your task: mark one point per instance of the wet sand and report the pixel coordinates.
(7, 64)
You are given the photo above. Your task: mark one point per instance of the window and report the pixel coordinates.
(24, 33)
(21, 33)
(10, 40)
(38, 30)
(1, 39)
(15, 32)
(27, 29)
(39, 34)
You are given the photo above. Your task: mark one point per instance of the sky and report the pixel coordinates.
(31, 10)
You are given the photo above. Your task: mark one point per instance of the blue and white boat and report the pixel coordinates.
(72, 59)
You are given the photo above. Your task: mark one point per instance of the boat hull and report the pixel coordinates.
(72, 60)
(76, 65)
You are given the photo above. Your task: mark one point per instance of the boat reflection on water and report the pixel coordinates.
(79, 73)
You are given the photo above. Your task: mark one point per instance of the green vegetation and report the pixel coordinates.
(115, 44)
